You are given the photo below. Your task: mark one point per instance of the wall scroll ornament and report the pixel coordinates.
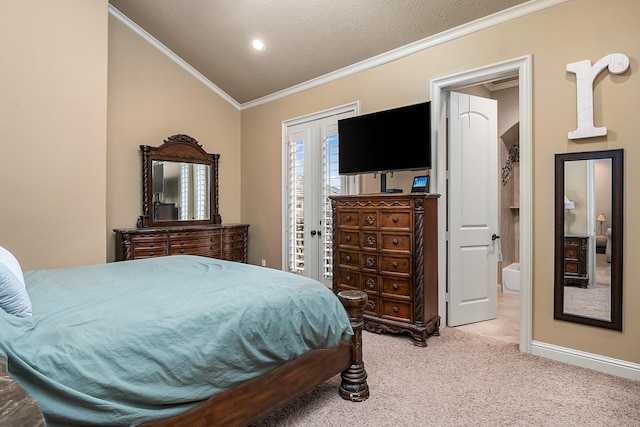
(585, 73)
(507, 169)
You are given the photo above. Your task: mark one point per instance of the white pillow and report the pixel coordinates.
(13, 295)
(12, 263)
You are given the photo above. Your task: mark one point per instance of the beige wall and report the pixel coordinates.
(570, 32)
(72, 65)
(150, 97)
(53, 106)
(402, 180)
(575, 188)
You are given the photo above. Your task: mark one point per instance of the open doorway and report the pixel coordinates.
(506, 315)
(520, 69)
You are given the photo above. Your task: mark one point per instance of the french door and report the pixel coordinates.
(311, 176)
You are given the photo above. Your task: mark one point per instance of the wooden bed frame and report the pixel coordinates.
(255, 399)
(250, 401)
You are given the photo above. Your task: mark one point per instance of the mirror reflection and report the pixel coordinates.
(588, 283)
(181, 191)
(587, 276)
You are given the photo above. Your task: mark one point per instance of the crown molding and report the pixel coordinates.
(164, 49)
(497, 18)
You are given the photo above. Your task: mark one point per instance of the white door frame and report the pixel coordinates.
(439, 87)
(351, 183)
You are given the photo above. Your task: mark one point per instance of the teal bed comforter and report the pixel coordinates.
(126, 342)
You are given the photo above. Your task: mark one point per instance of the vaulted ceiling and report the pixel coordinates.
(304, 39)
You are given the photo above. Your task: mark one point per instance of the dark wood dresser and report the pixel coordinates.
(386, 245)
(193, 228)
(575, 261)
(220, 241)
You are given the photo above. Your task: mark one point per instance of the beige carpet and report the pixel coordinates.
(462, 379)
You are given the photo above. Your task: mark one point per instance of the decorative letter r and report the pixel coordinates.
(585, 74)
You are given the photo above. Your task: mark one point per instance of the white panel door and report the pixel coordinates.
(473, 210)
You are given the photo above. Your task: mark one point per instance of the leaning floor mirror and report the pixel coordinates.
(588, 238)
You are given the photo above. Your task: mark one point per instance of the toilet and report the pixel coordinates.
(511, 278)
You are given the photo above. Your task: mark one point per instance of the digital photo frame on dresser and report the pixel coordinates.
(420, 184)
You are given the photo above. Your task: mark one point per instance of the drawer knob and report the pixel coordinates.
(395, 286)
(395, 219)
(348, 258)
(396, 309)
(348, 238)
(348, 278)
(347, 218)
(151, 253)
(182, 242)
(151, 245)
(181, 251)
(395, 241)
(395, 263)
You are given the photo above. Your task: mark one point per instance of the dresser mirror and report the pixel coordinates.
(588, 238)
(179, 184)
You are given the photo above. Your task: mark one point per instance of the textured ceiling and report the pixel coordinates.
(304, 39)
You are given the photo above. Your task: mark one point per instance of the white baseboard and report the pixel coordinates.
(620, 368)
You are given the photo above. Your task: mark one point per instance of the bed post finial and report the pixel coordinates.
(354, 385)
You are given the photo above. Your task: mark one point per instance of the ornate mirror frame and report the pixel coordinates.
(617, 178)
(183, 149)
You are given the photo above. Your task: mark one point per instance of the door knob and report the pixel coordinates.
(313, 232)
(494, 237)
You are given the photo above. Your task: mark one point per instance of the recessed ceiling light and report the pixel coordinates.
(258, 45)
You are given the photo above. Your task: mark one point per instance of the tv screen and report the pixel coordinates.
(386, 141)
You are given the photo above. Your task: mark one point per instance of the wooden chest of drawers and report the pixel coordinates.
(220, 241)
(386, 246)
(575, 261)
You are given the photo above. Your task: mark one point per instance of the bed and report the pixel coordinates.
(180, 340)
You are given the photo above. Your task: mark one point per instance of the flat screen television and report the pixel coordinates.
(386, 141)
